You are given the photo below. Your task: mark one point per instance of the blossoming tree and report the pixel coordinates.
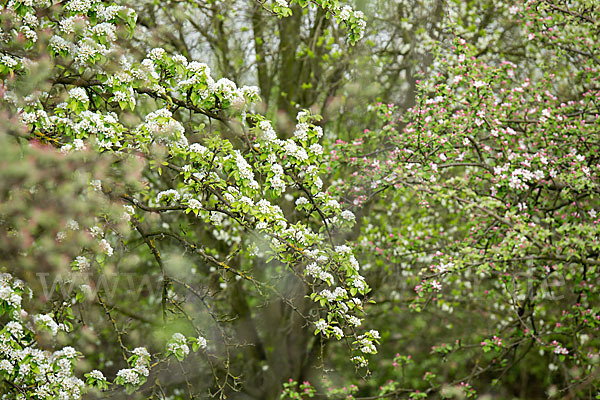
(96, 101)
(502, 254)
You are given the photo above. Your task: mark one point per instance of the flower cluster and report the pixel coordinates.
(39, 374)
(353, 20)
(178, 346)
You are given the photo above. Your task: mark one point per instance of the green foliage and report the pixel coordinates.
(166, 232)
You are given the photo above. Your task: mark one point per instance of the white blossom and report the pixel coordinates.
(321, 324)
(106, 247)
(202, 342)
(98, 375)
(129, 376)
(79, 94)
(82, 263)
